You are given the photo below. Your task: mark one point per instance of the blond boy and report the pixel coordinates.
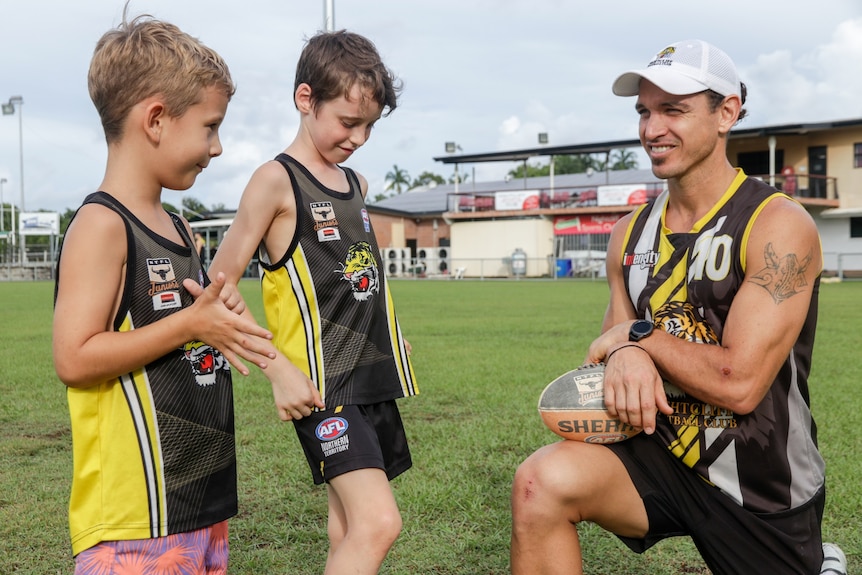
(141, 338)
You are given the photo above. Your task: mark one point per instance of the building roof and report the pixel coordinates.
(426, 201)
(606, 147)
(519, 155)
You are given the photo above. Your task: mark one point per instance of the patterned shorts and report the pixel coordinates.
(200, 552)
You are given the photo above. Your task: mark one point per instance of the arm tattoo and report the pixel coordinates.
(783, 276)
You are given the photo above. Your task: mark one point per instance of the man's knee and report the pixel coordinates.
(561, 479)
(538, 491)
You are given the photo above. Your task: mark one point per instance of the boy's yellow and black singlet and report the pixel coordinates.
(327, 301)
(153, 450)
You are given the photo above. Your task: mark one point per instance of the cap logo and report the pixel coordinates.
(664, 57)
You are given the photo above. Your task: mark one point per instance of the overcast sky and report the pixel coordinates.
(487, 74)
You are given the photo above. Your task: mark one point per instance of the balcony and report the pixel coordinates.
(807, 189)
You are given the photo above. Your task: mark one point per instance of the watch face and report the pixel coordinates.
(640, 329)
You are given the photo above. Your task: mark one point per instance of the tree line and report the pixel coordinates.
(398, 179)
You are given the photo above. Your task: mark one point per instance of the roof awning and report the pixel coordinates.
(521, 155)
(606, 147)
(841, 213)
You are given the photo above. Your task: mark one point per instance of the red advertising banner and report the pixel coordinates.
(585, 224)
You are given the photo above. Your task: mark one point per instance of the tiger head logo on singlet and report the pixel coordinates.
(205, 362)
(360, 269)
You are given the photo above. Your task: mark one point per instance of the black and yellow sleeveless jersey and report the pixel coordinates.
(685, 283)
(153, 450)
(327, 301)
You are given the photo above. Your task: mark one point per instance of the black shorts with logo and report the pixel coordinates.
(731, 539)
(351, 437)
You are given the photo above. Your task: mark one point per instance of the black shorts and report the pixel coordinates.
(351, 437)
(730, 539)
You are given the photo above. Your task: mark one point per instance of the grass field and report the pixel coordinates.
(482, 353)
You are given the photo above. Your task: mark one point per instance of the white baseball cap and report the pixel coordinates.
(683, 68)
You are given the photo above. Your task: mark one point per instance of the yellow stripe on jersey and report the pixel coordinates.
(399, 350)
(674, 287)
(293, 316)
(127, 468)
(687, 446)
(728, 193)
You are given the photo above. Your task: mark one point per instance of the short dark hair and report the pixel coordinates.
(333, 62)
(715, 100)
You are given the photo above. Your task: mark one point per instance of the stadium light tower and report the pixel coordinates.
(9, 109)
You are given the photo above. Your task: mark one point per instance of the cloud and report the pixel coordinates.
(817, 85)
(489, 75)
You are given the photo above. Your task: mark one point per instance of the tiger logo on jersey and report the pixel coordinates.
(205, 361)
(360, 269)
(682, 320)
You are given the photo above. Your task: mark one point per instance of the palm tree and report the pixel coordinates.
(575, 164)
(623, 159)
(427, 178)
(397, 178)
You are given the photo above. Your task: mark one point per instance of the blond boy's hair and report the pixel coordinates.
(145, 57)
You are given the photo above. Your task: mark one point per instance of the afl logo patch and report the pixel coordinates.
(331, 428)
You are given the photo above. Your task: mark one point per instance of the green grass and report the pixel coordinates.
(482, 351)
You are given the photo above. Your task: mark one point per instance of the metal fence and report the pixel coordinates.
(842, 265)
(39, 265)
(497, 268)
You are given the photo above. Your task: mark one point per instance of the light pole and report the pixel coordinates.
(451, 148)
(329, 15)
(8, 109)
(543, 139)
(2, 218)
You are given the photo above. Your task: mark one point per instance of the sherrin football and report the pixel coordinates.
(573, 407)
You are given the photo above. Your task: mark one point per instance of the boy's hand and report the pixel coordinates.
(234, 336)
(232, 298)
(294, 393)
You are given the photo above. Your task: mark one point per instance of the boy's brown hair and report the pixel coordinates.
(145, 57)
(333, 62)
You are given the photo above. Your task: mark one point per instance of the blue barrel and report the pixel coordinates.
(564, 268)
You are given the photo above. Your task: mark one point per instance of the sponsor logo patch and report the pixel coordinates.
(166, 300)
(366, 221)
(331, 428)
(163, 282)
(328, 235)
(644, 260)
(325, 222)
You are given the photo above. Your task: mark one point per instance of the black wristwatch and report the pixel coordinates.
(640, 329)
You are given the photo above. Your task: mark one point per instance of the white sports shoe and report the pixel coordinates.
(834, 562)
